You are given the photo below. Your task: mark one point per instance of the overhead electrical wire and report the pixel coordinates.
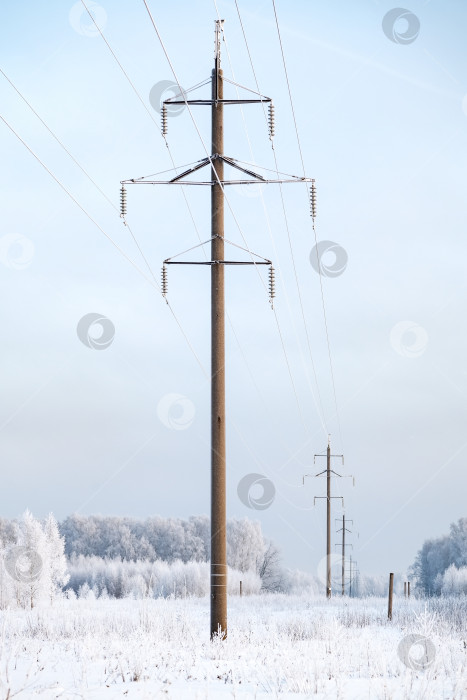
(189, 208)
(173, 163)
(208, 155)
(318, 400)
(313, 223)
(289, 369)
(152, 281)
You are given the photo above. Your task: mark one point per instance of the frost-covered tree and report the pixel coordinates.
(245, 544)
(454, 581)
(269, 569)
(437, 555)
(25, 562)
(458, 538)
(55, 564)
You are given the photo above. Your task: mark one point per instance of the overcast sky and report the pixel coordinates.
(124, 428)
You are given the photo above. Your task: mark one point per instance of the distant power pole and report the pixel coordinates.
(344, 530)
(216, 161)
(328, 472)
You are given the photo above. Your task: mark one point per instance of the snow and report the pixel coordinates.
(278, 646)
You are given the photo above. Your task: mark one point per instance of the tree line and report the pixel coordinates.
(440, 566)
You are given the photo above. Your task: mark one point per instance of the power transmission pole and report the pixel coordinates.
(328, 472)
(218, 460)
(344, 530)
(216, 161)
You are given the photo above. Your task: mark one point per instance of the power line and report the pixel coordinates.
(152, 281)
(289, 370)
(318, 403)
(173, 163)
(188, 205)
(313, 224)
(58, 141)
(217, 179)
(109, 238)
(83, 170)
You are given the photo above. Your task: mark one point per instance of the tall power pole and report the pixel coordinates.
(218, 459)
(216, 160)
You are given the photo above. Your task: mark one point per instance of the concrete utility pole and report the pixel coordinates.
(328, 471)
(344, 530)
(218, 459)
(343, 554)
(328, 520)
(216, 161)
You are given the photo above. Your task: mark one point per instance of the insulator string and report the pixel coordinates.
(271, 121)
(164, 285)
(272, 285)
(164, 119)
(313, 200)
(123, 202)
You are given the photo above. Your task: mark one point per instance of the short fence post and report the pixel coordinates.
(241, 589)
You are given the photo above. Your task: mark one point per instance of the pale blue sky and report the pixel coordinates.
(383, 131)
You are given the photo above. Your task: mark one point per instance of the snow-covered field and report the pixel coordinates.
(278, 646)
